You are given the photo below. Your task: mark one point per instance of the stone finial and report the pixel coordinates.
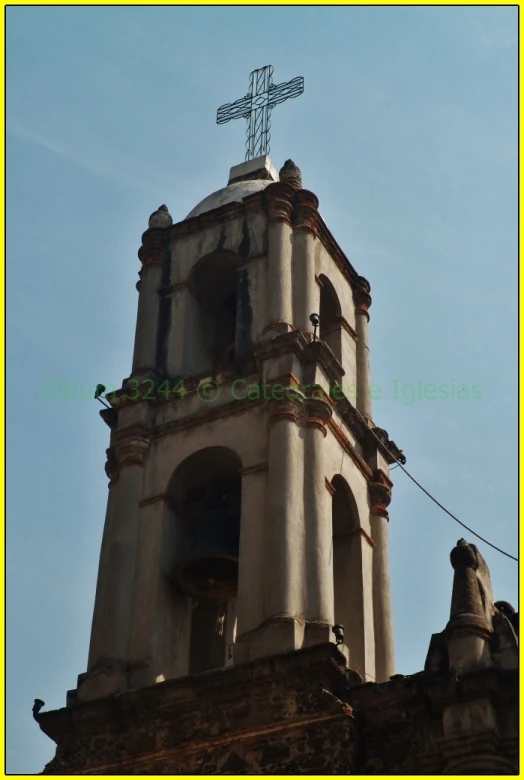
(479, 633)
(161, 218)
(290, 174)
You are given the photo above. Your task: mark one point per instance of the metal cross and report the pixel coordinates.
(256, 107)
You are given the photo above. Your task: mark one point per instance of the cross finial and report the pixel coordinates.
(256, 107)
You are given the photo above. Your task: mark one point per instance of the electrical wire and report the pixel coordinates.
(470, 530)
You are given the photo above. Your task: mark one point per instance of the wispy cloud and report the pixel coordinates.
(100, 162)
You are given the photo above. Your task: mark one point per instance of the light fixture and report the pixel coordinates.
(338, 630)
(314, 320)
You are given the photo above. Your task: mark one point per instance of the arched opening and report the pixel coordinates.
(330, 317)
(214, 280)
(347, 570)
(205, 491)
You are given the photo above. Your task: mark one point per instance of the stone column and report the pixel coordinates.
(283, 628)
(362, 300)
(251, 565)
(111, 469)
(151, 254)
(279, 199)
(318, 574)
(305, 292)
(145, 594)
(109, 651)
(380, 497)
(185, 352)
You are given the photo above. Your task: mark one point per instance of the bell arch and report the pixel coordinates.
(330, 317)
(214, 281)
(205, 494)
(348, 584)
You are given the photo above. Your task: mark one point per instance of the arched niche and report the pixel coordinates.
(330, 317)
(213, 321)
(348, 584)
(208, 474)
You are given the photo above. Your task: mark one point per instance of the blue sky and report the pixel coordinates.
(406, 132)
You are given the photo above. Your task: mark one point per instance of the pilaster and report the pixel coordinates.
(107, 672)
(305, 291)
(319, 611)
(379, 499)
(279, 199)
(152, 254)
(362, 300)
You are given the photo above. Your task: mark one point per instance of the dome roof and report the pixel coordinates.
(233, 193)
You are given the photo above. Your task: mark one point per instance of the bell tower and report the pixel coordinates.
(247, 509)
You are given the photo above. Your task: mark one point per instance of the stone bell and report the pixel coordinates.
(211, 568)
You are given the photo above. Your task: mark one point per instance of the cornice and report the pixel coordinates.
(206, 416)
(348, 447)
(335, 251)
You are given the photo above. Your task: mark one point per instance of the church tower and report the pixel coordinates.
(242, 616)
(247, 509)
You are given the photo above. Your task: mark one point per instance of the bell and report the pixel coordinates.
(211, 568)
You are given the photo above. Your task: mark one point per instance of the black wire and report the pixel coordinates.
(471, 531)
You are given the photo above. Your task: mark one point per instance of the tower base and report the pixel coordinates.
(303, 712)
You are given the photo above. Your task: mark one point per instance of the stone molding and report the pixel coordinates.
(356, 532)
(345, 443)
(374, 436)
(256, 469)
(361, 296)
(294, 342)
(160, 497)
(344, 324)
(319, 413)
(152, 251)
(180, 287)
(289, 409)
(305, 213)
(131, 451)
(289, 380)
(279, 326)
(205, 416)
(380, 494)
(319, 352)
(329, 487)
(278, 199)
(111, 466)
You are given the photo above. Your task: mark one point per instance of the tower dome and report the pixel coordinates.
(244, 179)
